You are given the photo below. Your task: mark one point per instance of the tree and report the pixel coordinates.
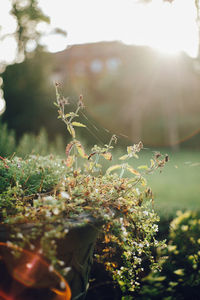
(27, 15)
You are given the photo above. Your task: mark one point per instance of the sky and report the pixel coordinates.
(168, 27)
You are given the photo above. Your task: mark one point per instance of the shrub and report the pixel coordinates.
(180, 275)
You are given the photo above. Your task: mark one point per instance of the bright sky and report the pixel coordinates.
(169, 27)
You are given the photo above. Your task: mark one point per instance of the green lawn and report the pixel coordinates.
(177, 187)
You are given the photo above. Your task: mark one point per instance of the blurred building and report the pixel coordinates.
(88, 59)
(151, 96)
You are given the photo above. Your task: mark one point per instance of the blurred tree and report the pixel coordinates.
(29, 94)
(28, 15)
(27, 86)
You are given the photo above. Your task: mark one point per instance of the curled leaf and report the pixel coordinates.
(115, 167)
(69, 148)
(80, 149)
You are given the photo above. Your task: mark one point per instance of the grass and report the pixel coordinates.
(177, 187)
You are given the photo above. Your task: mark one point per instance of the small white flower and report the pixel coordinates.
(51, 268)
(9, 244)
(137, 191)
(49, 198)
(66, 270)
(62, 285)
(61, 263)
(32, 247)
(20, 235)
(56, 211)
(65, 195)
(48, 213)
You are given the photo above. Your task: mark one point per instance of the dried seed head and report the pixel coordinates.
(166, 157)
(81, 103)
(157, 155)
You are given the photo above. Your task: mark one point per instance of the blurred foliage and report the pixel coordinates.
(180, 275)
(29, 92)
(7, 140)
(29, 143)
(28, 15)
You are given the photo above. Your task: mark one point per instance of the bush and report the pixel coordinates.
(180, 275)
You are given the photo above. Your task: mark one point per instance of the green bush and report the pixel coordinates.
(180, 275)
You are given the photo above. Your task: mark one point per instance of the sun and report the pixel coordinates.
(173, 27)
(169, 27)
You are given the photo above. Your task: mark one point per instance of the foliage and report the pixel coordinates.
(29, 143)
(180, 275)
(27, 91)
(21, 180)
(27, 15)
(77, 186)
(7, 140)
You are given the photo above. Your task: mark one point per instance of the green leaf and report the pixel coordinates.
(78, 124)
(56, 104)
(129, 149)
(179, 272)
(115, 167)
(143, 167)
(152, 163)
(71, 114)
(124, 157)
(71, 130)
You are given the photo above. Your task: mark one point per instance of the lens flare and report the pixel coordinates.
(29, 271)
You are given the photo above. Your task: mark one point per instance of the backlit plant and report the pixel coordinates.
(119, 197)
